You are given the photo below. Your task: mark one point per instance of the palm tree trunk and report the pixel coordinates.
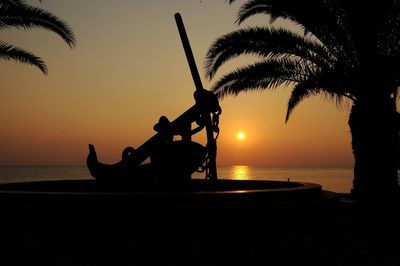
(374, 129)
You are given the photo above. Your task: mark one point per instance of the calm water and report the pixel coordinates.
(338, 179)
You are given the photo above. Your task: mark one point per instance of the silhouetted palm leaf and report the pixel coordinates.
(300, 92)
(317, 83)
(254, 7)
(322, 18)
(27, 17)
(268, 74)
(17, 14)
(9, 52)
(265, 42)
(12, 2)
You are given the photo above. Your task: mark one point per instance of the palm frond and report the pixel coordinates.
(268, 74)
(315, 85)
(264, 42)
(28, 17)
(254, 7)
(301, 91)
(324, 19)
(12, 2)
(9, 52)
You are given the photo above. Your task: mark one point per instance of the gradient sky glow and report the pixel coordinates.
(129, 68)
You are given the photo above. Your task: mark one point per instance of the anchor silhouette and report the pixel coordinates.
(170, 160)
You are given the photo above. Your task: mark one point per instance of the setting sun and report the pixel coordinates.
(240, 136)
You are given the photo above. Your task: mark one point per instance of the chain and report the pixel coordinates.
(206, 161)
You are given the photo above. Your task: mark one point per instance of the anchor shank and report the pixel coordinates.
(212, 144)
(188, 52)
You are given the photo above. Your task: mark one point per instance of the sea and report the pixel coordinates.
(336, 179)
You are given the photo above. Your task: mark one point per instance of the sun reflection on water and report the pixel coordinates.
(241, 172)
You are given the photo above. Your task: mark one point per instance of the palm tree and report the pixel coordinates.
(18, 14)
(349, 51)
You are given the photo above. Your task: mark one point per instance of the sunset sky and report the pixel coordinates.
(127, 70)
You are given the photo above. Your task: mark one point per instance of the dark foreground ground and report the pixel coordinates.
(197, 223)
(339, 233)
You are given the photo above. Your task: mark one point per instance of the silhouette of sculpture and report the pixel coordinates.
(170, 160)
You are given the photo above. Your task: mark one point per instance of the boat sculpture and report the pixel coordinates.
(170, 160)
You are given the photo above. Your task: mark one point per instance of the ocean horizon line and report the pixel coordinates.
(333, 178)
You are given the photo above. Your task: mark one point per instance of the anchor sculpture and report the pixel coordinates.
(170, 160)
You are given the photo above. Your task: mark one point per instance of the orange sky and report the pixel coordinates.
(127, 70)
